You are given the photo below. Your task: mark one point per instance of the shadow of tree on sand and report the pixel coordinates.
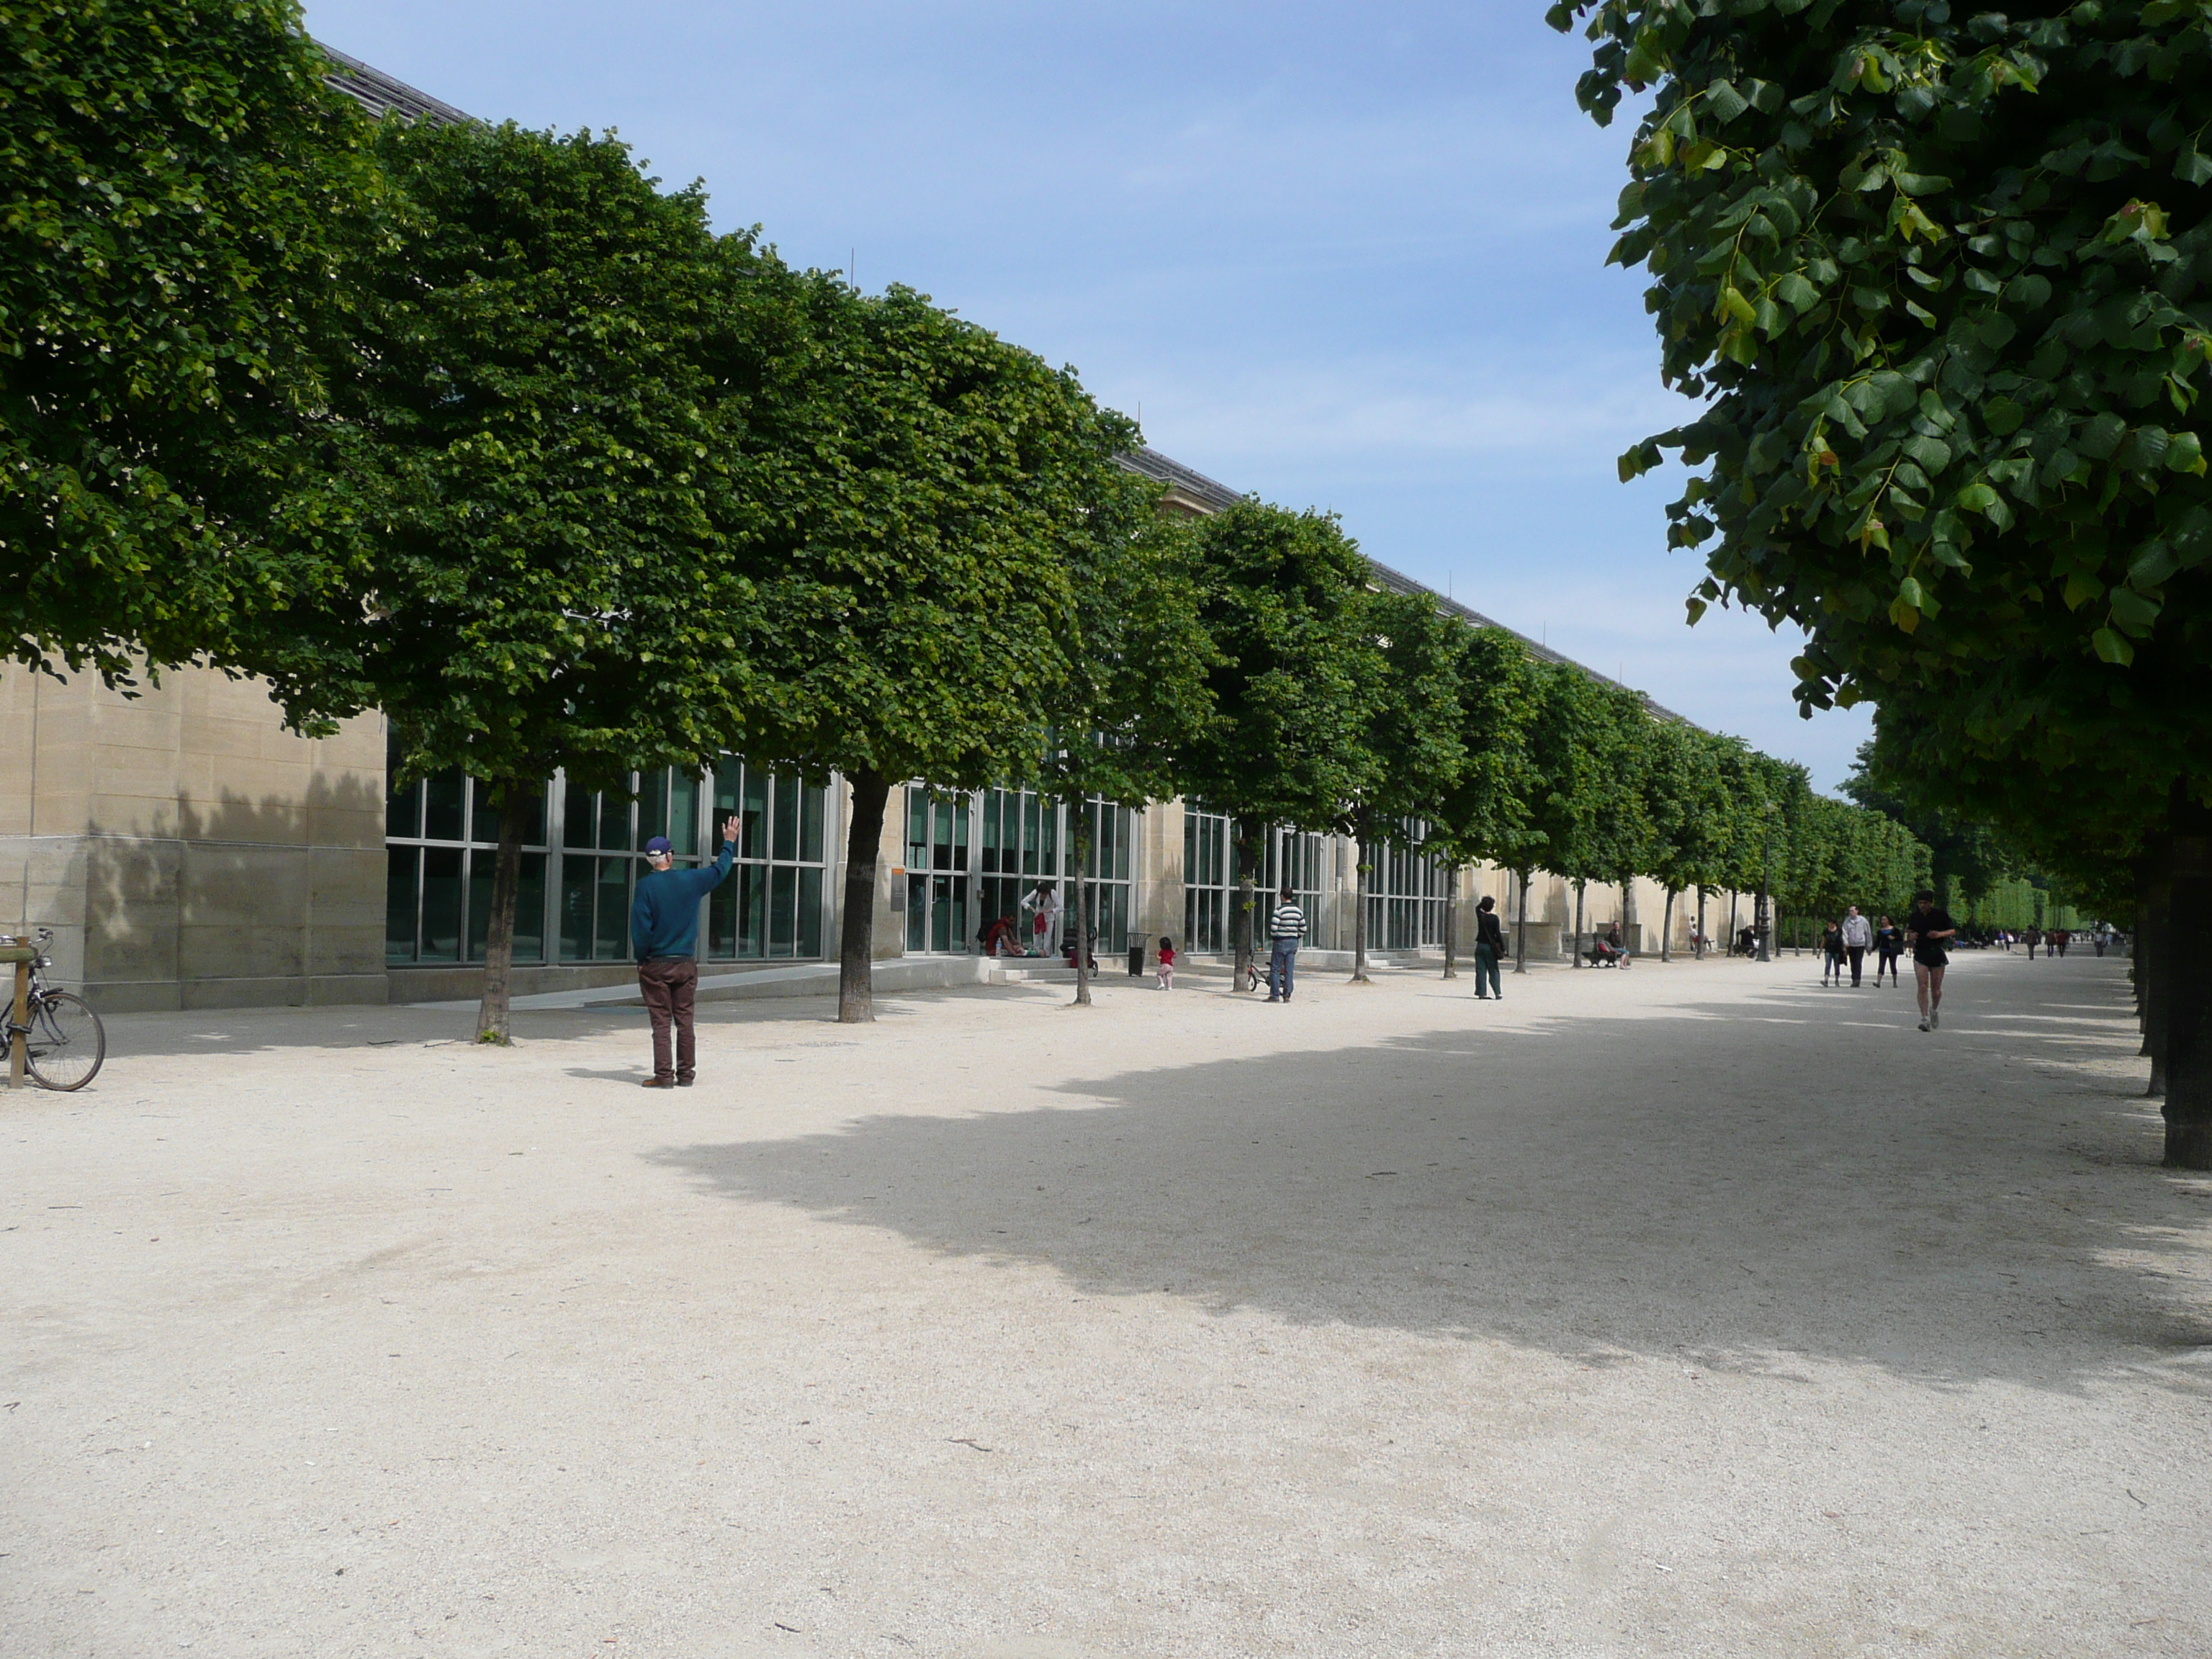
(1683, 1180)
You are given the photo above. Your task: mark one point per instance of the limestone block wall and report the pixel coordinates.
(186, 850)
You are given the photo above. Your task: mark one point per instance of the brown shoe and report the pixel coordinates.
(660, 1083)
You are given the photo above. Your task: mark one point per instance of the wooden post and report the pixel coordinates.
(20, 955)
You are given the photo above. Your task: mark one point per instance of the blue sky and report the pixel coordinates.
(1343, 257)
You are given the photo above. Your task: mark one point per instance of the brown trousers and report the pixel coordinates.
(669, 983)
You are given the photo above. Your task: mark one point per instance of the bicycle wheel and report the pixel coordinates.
(66, 1044)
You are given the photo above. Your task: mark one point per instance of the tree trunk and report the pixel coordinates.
(856, 933)
(1081, 809)
(513, 799)
(2156, 889)
(1240, 926)
(1628, 940)
(1360, 908)
(1667, 929)
(1698, 950)
(1451, 916)
(1760, 927)
(2185, 976)
(1575, 956)
(1520, 930)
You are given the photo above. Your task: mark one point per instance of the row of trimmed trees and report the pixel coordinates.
(1939, 278)
(477, 427)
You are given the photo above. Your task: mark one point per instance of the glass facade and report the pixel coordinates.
(974, 859)
(1212, 871)
(771, 906)
(1405, 891)
(441, 836)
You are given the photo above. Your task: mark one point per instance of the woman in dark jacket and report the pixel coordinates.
(1888, 945)
(1489, 947)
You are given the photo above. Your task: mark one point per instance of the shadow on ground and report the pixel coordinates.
(248, 1031)
(1741, 1184)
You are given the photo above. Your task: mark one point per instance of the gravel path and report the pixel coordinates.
(1694, 1310)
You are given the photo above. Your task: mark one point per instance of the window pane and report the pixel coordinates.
(577, 821)
(810, 824)
(727, 776)
(578, 875)
(483, 869)
(917, 832)
(917, 909)
(484, 821)
(782, 910)
(611, 936)
(810, 913)
(441, 904)
(529, 909)
(683, 812)
(756, 815)
(614, 821)
(402, 808)
(722, 918)
(653, 806)
(787, 819)
(441, 816)
(529, 904)
(752, 910)
(399, 896)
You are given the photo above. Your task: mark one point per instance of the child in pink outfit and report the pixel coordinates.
(1167, 964)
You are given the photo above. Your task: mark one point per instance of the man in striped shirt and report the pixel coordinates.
(1285, 929)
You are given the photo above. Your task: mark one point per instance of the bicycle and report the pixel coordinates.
(64, 1041)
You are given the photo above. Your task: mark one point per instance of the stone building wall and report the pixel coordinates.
(187, 851)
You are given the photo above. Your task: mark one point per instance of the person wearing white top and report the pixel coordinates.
(1858, 934)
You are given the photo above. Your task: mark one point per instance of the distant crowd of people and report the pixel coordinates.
(1931, 934)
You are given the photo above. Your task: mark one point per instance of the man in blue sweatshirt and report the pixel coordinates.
(664, 932)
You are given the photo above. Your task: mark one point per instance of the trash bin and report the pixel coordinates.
(1136, 962)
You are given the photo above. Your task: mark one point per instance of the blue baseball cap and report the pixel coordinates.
(660, 844)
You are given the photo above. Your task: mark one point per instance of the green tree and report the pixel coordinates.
(1408, 727)
(1938, 278)
(180, 191)
(1483, 816)
(1572, 753)
(1281, 599)
(534, 435)
(1691, 816)
(1135, 694)
(1969, 851)
(916, 559)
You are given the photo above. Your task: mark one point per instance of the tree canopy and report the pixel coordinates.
(182, 191)
(926, 511)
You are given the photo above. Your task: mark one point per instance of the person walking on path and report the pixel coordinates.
(1285, 929)
(1167, 964)
(1931, 931)
(1888, 945)
(664, 932)
(1489, 946)
(2032, 936)
(1858, 934)
(1832, 955)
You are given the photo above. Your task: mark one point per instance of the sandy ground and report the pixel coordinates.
(1695, 1311)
